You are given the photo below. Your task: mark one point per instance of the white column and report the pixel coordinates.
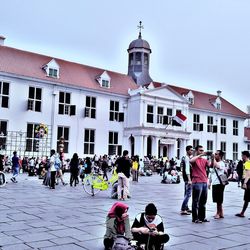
(139, 145)
(144, 145)
(155, 146)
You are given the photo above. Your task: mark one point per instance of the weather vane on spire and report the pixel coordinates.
(140, 27)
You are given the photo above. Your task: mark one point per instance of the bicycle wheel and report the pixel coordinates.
(2, 179)
(89, 182)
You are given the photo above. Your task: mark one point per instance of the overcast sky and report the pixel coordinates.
(199, 44)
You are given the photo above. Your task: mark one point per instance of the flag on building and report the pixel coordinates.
(179, 119)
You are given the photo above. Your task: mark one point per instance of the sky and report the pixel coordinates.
(198, 44)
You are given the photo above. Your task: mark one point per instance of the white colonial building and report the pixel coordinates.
(97, 111)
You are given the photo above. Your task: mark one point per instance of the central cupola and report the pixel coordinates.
(138, 59)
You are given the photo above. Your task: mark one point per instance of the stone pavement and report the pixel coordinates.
(34, 217)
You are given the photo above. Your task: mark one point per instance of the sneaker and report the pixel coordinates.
(185, 212)
(197, 221)
(206, 220)
(189, 210)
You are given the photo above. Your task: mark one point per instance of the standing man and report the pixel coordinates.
(199, 185)
(15, 167)
(53, 160)
(123, 170)
(186, 173)
(246, 178)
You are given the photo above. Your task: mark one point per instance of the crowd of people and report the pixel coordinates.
(205, 170)
(200, 171)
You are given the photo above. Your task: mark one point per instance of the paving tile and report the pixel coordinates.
(68, 218)
(16, 247)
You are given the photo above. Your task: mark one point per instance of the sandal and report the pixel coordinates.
(240, 215)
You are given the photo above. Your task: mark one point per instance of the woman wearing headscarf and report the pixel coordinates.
(117, 223)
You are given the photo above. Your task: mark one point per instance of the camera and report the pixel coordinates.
(209, 153)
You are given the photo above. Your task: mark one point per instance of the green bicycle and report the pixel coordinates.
(94, 183)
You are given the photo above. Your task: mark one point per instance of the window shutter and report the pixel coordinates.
(215, 128)
(86, 112)
(72, 110)
(166, 120)
(201, 127)
(121, 117)
(29, 104)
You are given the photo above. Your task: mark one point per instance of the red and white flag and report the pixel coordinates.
(179, 119)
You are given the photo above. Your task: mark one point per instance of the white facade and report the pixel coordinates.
(101, 112)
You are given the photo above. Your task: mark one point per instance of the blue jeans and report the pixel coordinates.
(15, 171)
(187, 195)
(199, 198)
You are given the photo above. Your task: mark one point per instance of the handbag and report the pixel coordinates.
(222, 178)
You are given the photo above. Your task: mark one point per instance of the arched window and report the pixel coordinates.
(146, 59)
(138, 58)
(131, 59)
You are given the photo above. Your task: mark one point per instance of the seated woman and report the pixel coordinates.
(148, 229)
(117, 223)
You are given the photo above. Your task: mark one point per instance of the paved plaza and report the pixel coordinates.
(34, 217)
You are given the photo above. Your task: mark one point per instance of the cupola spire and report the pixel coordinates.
(140, 27)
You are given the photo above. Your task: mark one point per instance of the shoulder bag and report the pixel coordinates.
(222, 178)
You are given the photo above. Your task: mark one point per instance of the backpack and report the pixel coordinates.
(121, 243)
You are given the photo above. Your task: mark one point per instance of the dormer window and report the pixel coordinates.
(191, 100)
(104, 80)
(217, 103)
(53, 72)
(105, 83)
(190, 97)
(52, 69)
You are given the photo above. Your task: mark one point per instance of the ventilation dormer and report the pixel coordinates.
(217, 103)
(190, 97)
(52, 69)
(104, 80)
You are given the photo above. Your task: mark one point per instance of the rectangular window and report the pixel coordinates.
(248, 147)
(90, 107)
(89, 141)
(160, 115)
(196, 142)
(196, 122)
(64, 103)
(32, 142)
(113, 146)
(235, 127)
(223, 126)
(150, 114)
(113, 110)
(105, 83)
(210, 122)
(3, 135)
(4, 94)
(53, 72)
(169, 112)
(210, 146)
(191, 100)
(35, 99)
(223, 148)
(235, 151)
(63, 134)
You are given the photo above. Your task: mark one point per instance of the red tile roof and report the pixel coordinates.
(204, 101)
(247, 133)
(30, 64)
